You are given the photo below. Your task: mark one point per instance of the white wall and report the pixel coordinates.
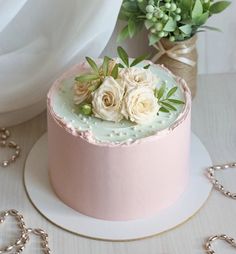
(217, 50)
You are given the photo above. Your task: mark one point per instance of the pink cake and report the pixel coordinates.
(118, 170)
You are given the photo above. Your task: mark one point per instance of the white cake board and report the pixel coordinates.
(47, 203)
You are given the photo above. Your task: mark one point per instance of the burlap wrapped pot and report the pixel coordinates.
(181, 58)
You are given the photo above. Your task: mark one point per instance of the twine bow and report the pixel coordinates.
(175, 53)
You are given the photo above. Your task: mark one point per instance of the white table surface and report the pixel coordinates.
(213, 120)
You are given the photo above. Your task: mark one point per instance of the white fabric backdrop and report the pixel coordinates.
(39, 39)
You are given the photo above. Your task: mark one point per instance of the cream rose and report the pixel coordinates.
(136, 76)
(82, 92)
(107, 100)
(140, 105)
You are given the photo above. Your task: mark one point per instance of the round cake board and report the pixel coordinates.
(49, 205)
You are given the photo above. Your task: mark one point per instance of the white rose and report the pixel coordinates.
(140, 105)
(136, 76)
(82, 92)
(107, 100)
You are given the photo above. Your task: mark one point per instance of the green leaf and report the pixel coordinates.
(93, 87)
(130, 6)
(153, 38)
(142, 5)
(161, 92)
(176, 101)
(87, 77)
(186, 4)
(121, 65)
(171, 92)
(124, 34)
(202, 19)
(206, 6)
(92, 64)
(148, 24)
(105, 65)
(123, 56)
(131, 27)
(147, 66)
(156, 92)
(197, 10)
(168, 105)
(219, 6)
(114, 72)
(170, 25)
(123, 15)
(163, 109)
(187, 29)
(138, 26)
(138, 60)
(212, 28)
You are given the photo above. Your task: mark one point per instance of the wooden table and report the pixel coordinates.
(213, 120)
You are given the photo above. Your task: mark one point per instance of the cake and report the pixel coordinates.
(126, 162)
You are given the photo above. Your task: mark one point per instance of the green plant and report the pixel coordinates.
(176, 20)
(165, 99)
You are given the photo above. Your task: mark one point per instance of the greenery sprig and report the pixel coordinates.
(165, 100)
(176, 20)
(98, 73)
(125, 59)
(109, 67)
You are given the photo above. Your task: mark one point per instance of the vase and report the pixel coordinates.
(180, 57)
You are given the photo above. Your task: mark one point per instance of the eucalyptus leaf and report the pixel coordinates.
(105, 65)
(187, 29)
(200, 31)
(161, 92)
(212, 28)
(123, 15)
(170, 26)
(153, 38)
(92, 64)
(123, 56)
(176, 101)
(124, 34)
(148, 24)
(130, 6)
(163, 109)
(219, 6)
(168, 106)
(206, 6)
(186, 5)
(87, 77)
(131, 27)
(138, 26)
(142, 5)
(202, 19)
(114, 72)
(138, 60)
(197, 9)
(147, 66)
(156, 92)
(121, 65)
(171, 92)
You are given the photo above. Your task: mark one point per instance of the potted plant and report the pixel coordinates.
(172, 26)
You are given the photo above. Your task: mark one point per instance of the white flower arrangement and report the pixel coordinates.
(115, 91)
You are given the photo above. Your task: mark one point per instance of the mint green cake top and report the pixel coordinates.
(63, 106)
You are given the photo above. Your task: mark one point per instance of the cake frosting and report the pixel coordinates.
(117, 170)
